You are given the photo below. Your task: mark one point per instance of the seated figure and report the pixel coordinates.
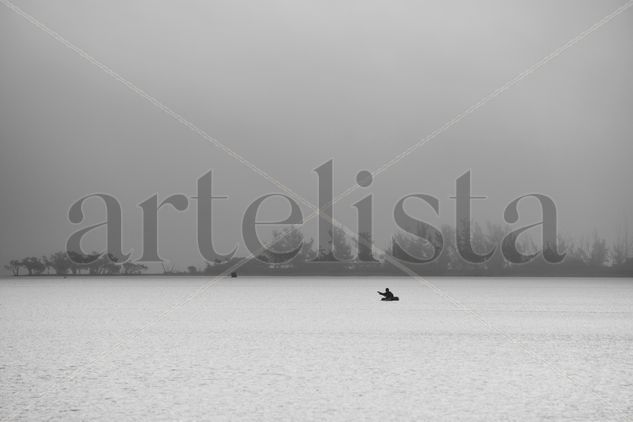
(387, 295)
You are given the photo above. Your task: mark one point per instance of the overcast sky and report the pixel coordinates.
(291, 84)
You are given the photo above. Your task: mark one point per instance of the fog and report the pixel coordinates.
(289, 85)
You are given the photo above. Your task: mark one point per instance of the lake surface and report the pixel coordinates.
(314, 349)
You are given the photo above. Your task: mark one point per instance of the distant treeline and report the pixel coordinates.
(589, 258)
(60, 263)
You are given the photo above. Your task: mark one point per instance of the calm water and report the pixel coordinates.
(253, 349)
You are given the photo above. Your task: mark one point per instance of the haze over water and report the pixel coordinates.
(292, 84)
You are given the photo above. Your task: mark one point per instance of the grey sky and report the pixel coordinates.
(291, 84)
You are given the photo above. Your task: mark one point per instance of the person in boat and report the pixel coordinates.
(387, 295)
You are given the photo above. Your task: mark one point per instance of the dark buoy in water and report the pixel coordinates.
(234, 274)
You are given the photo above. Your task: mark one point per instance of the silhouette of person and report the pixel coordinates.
(387, 295)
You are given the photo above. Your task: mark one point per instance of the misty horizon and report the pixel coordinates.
(372, 210)
(292, 85)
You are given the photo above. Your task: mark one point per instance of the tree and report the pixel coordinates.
(286, 242)
(47, 264)
(599, 251)
(621, 248)
(59, 262)
(307, 252)
(577, 253)
(110, 268)
(449, 258)
(479, 240)
(341, 244)
(494, 238)
(422, 246)
(365, 247)
(478, 243)
(407, 247)
(106, 264)
(168, 270)
(341, 247)
(14, 267)
(192, 269)
(130, 268)
(33, 265)
(80, 261)
(618, 253)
